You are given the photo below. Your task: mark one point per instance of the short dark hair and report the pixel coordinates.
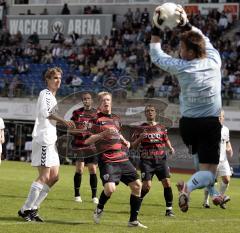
(194, 41)
(85, 93)
(150, 106)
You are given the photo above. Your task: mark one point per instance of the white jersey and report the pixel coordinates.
(45, 132)
(2, 126)
(224, 140)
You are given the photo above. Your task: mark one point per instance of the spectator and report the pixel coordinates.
(28, 144)
(10, 147)
(145, 17)
(76, 81)
(150, 92)
(33, 39)
(65, 10)
(44, 12)
(58, 38)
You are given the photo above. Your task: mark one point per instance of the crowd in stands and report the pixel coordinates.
(106, 61)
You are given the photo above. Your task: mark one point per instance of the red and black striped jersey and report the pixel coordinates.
(81, 118)
(110, 148)
(153, 144)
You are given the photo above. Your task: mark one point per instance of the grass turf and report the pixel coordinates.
(63, 215)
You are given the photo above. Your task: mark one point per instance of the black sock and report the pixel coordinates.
(144, 193)
(168, 195)
(77, 183)
(102, 200)
(93, 184)
(135, 204)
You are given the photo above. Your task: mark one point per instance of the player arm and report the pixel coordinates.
(95, 137)
(163, 60)
(137, 141)
(68, 124)
(169, 145)
(229, 149)
(124, 141)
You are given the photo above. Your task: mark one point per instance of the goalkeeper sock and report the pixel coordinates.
(200, 180)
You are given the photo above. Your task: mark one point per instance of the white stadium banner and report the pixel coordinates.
(47, 25)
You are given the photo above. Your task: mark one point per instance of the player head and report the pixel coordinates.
(192, 46)
(221, 117)
(105, 102)
(53, 77)
(87, 100)
(150, 113)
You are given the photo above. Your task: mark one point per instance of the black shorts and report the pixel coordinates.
(116, 172)
(88, 160)
(202, 136)
(149, 168)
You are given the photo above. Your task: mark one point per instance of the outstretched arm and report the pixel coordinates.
(68, 124)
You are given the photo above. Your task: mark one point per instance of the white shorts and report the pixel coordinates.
(46, 156)
(0, 148)
(223, 169)
(28, 146)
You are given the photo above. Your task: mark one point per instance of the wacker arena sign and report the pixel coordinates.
(47, 25)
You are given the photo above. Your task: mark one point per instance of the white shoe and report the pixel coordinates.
(95, 200)
(78, 199)
(136, 224)
(97, 215)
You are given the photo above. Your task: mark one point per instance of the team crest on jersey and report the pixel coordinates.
(106, 177)
(143, 175)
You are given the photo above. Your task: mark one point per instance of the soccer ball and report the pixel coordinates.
(169, 15)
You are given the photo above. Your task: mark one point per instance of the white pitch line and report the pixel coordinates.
(123, 223)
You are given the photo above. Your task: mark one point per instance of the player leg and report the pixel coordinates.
(78, 179)
(206, 199)
(110, 175)
(54, 177)
(35, 190)
(207, 148)
(131, 178)
(225, 173)
(163, 174)
(91, 163)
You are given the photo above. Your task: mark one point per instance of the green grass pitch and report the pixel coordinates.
(63, 215)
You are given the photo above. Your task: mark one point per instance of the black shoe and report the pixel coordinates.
(206, 206)
(223, 206)
(169, 213)
(26, 215)
(35, 216)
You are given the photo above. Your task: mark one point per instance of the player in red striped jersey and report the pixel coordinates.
(81, 118)
(151, 138)
(114, 164)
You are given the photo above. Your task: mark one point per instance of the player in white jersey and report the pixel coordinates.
(44, 154)
(223, 168)
(2, 137)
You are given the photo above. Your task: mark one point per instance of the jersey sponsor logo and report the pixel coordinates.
(153, 135)
(143, 175)
(106, 177)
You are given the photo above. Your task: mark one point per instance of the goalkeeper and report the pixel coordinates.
(199, 76)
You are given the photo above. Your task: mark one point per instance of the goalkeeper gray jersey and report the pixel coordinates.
(199, 79)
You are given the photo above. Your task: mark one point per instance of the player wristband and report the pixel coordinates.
(186, 27)
(155, 31)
